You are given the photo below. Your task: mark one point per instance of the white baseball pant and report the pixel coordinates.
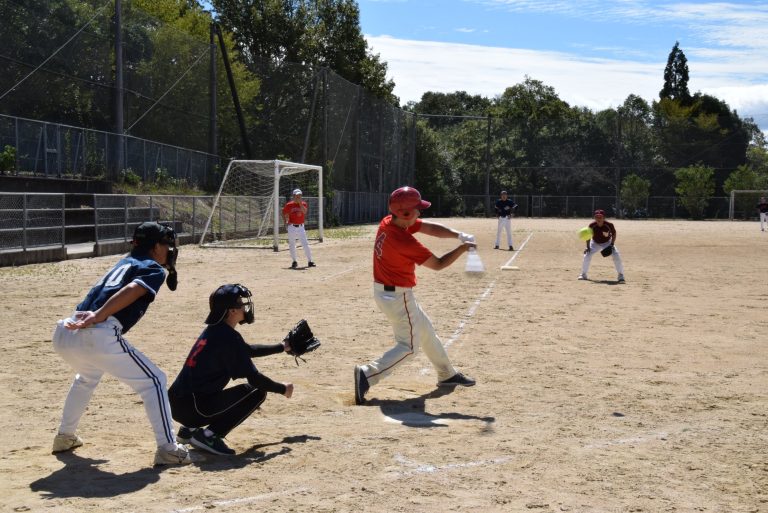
(298, 233)
(412, 329)
(763, 220)
(101, 348)
(595, 247)
(505, 223)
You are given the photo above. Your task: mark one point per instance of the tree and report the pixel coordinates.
(744, 178)
(435, 177)
(634, 192)
(695, 185)
(676, 76)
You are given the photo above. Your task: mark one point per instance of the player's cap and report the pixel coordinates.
(297, 192)
(226, 297)
(599, 213)
(504, 192)
(150, 233)
(404, 200)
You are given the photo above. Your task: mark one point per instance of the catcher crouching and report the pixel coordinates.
(199, 400)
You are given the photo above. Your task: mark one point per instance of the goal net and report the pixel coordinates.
(247, 210)
(743, 204)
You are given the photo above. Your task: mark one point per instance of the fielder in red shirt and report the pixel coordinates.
(294, 213)
(396, 253)
(603, 240)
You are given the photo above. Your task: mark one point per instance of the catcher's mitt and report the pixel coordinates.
(607, 251)
(301, 340)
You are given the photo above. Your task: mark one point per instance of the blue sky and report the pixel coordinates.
(593, 53)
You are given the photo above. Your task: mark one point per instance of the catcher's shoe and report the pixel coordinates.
(212, 444)
(66, 442)
(311, 264)
(179, 455)
(457, 379)
(185, 434)
(361, 385)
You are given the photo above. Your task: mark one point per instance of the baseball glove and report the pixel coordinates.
(607, 251)
(301, 340)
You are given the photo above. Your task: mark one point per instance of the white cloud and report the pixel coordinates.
(421, 66)
(465, 30)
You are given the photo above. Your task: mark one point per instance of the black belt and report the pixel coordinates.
(389, 288)
(296, 225)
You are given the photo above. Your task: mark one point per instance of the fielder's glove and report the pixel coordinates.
(607, 251)
(301, 340)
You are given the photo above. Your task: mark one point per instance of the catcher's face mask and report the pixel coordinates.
(230, 296)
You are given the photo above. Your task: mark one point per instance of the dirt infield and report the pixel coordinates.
(591, 396)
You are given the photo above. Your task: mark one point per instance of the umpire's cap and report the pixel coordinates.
(404, 200)
(150, 233)
(226, 297)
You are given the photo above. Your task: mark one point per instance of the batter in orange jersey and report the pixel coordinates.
(396, 253)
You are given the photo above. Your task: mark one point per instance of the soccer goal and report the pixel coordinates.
(247, 210)
(743, 203)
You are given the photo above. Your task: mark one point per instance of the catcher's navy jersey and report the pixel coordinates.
(140, 269)
(219, 355)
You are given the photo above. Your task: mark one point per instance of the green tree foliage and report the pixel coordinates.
(318, 33)
(676, 77)
(435, 178)
(745, 178)
(634, 192)
(695, 185)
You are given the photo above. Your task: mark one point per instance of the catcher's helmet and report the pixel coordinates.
(404, 200)
(230, 296)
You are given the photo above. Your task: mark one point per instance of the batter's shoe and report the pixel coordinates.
(511, 248)
(582, 277)
(185, 434)
(457, 379)
(620, 279)
(361, 385)
(311, 264)
(66, 442)
(179, 455)
(294, 265)
(212, 444)
(495, 247)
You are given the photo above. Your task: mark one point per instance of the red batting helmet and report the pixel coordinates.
(404, 200)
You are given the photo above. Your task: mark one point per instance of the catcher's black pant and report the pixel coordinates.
(220, 412)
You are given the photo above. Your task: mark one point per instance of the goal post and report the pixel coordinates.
(247, 210)
(743, 203)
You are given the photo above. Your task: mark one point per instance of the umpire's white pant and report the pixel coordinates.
(412, 329)
(763, 220)
(595, 247)
(101, 348)
(297, 232)
(505, 223)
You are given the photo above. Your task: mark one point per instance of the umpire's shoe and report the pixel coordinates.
(456, 380)
(361, 385)
(66, 442)
(179, 455)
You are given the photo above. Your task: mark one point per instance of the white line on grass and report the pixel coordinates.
(519, 250)
(242, 500)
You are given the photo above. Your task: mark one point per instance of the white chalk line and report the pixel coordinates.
(661, 435)
(518, 250)
(340, 273)
(420, 468)
(241, 500)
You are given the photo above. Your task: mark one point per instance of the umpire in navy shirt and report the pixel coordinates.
(505, 207)
(199, 400)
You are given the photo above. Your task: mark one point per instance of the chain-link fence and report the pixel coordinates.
(31, 220)
(55, 150)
